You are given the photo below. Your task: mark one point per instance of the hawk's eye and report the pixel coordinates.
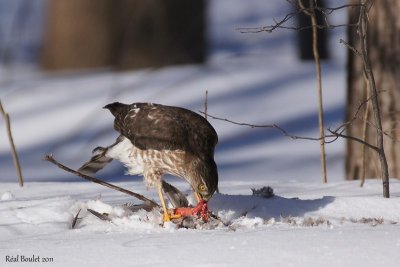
(202, 187)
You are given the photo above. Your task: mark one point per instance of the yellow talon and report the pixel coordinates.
(167, 218)
(175, 216)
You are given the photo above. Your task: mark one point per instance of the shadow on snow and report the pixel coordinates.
(235, 206)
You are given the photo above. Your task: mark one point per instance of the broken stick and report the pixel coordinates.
(13, 149)
(149, 202)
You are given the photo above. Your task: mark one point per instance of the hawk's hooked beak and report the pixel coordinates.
(205, 197)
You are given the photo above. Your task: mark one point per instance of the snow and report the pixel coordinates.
(250, 78)
(7, 196)
(313, 229)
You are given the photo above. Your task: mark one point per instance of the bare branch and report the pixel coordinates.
(149, 202)
(352, 48)
(364, 132)
(101, 216)
(206, 105)
(274, 126)
(366, 121)
(13, 149)
(354, 139)
(335, 134)
(75, 220)
(280, 24)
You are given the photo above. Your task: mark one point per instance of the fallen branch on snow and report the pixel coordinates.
(75, 220)
(149, 202)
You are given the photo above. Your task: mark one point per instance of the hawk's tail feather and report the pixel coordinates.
(98, 150)
(97, 162)
(99, 159)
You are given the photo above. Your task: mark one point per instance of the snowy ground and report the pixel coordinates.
(250, 78)
(334, 225)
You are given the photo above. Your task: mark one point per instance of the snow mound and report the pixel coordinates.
(7, 196)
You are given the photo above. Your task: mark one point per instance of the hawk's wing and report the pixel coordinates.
(153, 126)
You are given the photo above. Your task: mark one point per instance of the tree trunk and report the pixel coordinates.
(78, 34)
(384, 50)
(124, 33)
(162, 32)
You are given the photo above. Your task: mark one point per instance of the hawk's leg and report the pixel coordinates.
(153, 177)
(166, 218)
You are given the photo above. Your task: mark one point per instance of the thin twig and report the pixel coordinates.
(149, 202)
(335, 134)
(280, 24)
(206, 105)
(75, 220)
(13, 149)
(313, 16)
(352, 48)
(367, 122)
(274, 126)
(364, 132)
(354, 139)
(101, 216)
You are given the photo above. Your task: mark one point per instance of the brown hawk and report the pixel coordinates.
(155, 140)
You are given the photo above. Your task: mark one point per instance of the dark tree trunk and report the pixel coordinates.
(305, 36)
(78, 34)
(384, 50)
(162, 32)
(124, 33)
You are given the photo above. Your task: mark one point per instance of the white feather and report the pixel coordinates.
(122, 152)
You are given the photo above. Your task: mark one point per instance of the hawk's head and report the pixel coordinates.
(205, 178)
(116, 107)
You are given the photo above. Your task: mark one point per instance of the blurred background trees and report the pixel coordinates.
(123, 34)
(127, 34)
